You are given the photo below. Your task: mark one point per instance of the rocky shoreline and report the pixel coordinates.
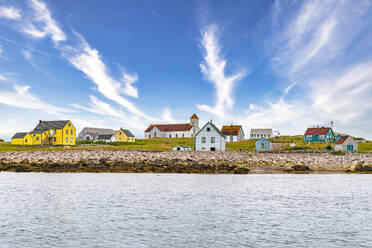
(132, 161)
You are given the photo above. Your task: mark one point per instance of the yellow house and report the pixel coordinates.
(48, 133)
(124, 135)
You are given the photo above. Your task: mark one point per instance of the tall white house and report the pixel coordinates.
(182, 130)
(209, 138)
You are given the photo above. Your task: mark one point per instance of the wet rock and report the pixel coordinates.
(298, 168)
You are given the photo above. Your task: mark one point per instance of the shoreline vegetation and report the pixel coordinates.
(155, 156)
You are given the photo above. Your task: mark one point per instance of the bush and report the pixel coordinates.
(340, 153)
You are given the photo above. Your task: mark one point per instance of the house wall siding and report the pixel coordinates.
(219, 144)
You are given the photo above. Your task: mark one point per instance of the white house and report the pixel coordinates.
(258, 133)
(233, 133)
(183, 130)
(346, 143)
(209, 138)
(91, 133)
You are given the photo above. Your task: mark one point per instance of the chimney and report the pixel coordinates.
(211, 121)
(40, 121)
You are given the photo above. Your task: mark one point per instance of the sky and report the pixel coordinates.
(285, 65)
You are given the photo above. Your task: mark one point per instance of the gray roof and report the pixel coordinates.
(49, 125)
(98, 131)
(127, 133)
(19, 135)
(262, 130)
(105, 136)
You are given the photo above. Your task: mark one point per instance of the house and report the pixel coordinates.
(346, 143)
(184, 130)
(91, 133)
(257, 133)
(124, 135)
(1, 140)
(233, 133)
(106, 138)
(181, 148)
(319, 134)
(263, 145)
(48, 133)
(209, 138)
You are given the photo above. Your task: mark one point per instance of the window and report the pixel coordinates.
(231, 138)
(170, 135)
(262, 145)
(66, 140)
(204, 139)
(176, 135)
(70, 140)
(37, 138)
(69, 124)
(72, 132)
(213, 139)
(149, 135)
(203, 148)
(66, 131)
(25, 140)
(183, 135)
(54, 139)
(208, 129)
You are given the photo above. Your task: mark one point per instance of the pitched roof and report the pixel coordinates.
(213, 126)
(261, 130)
(230, 130)
(170, 127)
(317, 131)
(341, 140)
(105, 136)
(93, 130)
(194, 116)
(48, 125)
(127, 133)
(19, 135)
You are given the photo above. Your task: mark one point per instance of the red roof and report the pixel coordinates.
(317, 131)
(341, 140)
(170, 127)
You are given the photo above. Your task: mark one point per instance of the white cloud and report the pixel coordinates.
(167, 115)
(42, 23)
(99, 107)
(22, 98)
(88, 61)
(213, 69)
(1, 50)
(10, 13)
(3, 78)
(128, 80)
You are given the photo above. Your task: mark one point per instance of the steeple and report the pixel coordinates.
(194, 120)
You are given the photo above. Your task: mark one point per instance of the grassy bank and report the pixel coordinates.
(166, 144)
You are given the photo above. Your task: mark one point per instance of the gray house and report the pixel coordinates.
(258, 133)
(209, 138)
(346, 143)
(91, 133)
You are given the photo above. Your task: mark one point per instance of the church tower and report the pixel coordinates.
(194, 120)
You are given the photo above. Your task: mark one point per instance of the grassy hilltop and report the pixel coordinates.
(167, 144)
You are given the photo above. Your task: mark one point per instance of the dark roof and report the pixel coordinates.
(127, 132)
(341, 140)
(104, 136)
(48, 125)
(230, 130)
(170, 127)
(98, 131)
(19, 135)
(317, 131)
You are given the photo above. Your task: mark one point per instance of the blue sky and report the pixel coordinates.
(285, 65)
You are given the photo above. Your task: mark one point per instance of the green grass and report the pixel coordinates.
(166, 144)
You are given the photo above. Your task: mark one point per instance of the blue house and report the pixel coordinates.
(319, 134)
(263, 145)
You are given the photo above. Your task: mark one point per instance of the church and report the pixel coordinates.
(182, 130)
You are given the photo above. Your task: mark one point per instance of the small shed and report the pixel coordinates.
(263, 145)
(181, 148)
(347, 144)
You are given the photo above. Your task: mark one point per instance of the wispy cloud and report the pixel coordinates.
(21, 97)
(42, 24)
(213, 69)
(3, 78)
(10, 13)
(167, 115)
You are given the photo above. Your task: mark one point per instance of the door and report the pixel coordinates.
(350, 147)
(213, 149)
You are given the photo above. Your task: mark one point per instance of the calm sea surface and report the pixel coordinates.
(175, 210)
